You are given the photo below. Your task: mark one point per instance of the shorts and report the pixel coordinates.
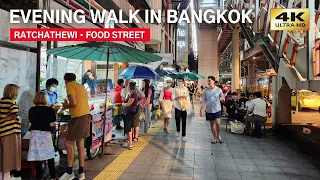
(136, 117)
(213, 116)
(128, 122)
(79, 128)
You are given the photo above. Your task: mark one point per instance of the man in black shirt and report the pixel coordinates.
(232, 106)
(191, 93)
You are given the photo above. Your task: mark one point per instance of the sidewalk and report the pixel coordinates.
(240, 157)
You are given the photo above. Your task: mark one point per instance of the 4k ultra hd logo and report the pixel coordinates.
(290, 19)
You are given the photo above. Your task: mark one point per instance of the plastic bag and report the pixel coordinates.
(142, 117)
(158, 114)
(237, 127)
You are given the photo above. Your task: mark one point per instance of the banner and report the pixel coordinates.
(108, 126)
(97, 130)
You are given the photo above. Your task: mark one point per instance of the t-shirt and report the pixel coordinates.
(9, 107)
(191, 91)
(243, 101)
(258, 107)
(133, 106)
(52, 97)
(40, 118)
(117, 95)
(81, 95)
(211, 98)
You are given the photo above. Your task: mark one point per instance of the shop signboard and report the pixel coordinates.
(108, 126)
(97, 130)
(182, 44)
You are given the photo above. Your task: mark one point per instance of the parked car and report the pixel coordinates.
(306, 99)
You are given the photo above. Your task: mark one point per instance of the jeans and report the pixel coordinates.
(38, 167)
(145, 125)
(181, 115)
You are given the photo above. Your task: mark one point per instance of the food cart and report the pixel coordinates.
(96, 104)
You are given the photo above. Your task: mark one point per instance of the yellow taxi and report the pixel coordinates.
(306, 99)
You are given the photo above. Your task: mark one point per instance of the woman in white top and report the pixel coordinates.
(182, 103)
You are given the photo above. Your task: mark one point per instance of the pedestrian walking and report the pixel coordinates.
(166, 104)
(211, 99)
(181, 104)
(41, 148)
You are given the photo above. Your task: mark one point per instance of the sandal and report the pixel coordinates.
(126, 145)
(135, 139)
(220, 140)
(214, 141)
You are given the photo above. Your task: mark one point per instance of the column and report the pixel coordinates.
(208, 62)
(236, 58)
(275, 89)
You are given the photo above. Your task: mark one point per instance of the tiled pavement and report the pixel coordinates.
(240, 157)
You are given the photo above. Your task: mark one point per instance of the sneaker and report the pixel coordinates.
(67, 176)
(80, 176)
(184, 139)
(177, 134)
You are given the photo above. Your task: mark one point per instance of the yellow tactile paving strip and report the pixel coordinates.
(118, 166)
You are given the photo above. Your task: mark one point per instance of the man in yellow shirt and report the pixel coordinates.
(79, 126)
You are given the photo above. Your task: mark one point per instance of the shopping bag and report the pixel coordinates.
(142, 117)
(158, 114)
(237, 127)
(185, 104)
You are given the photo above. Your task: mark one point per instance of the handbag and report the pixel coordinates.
(185, 104)
(142, 117)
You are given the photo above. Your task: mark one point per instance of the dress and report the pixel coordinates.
(166, 103)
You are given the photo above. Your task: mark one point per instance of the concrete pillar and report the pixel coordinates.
(208, 62)
(281, 102)
(275, 89)
(236, 58)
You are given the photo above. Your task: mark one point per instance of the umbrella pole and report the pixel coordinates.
(105, 107)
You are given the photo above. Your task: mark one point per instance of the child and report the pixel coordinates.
(42, 119)
(10, 129)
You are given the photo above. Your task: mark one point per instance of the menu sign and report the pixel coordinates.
(108, 126)
(97, 131)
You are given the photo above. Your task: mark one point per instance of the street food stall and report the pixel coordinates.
(96, 104)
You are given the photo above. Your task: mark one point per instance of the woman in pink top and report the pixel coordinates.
(145, 104)
(166, 104)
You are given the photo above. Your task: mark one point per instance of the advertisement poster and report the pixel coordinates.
(108, 128)
(97, 130)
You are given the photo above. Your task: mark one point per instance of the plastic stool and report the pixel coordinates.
(257, 126)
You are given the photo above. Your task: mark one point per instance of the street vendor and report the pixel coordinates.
(79, 125)
(51, 90)
(118, 102)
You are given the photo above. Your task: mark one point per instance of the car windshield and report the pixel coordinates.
(311, 94)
